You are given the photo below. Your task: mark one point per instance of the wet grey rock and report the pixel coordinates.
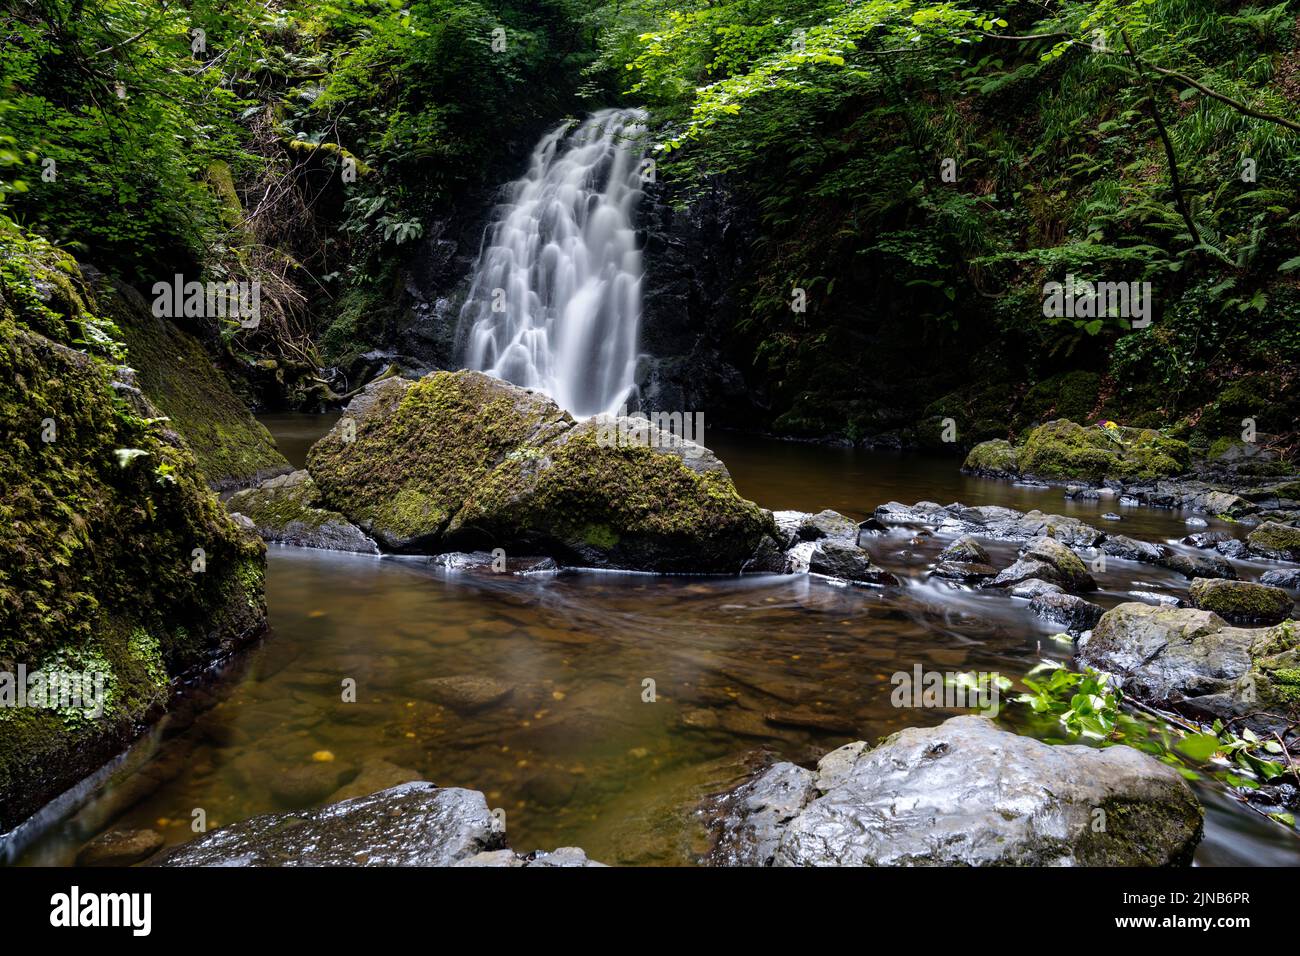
(990, 521)
(1156, 597)
(1233, 548)
(413, 824)
(465, 693)
(1241, 602)
(485, 562)
(1048, 560)
(1034, 524)
(965, 549)
(788, 524)
(969, 572)
(1289, 578)
(962, 794)
(923, 512)
(1034, 587)
(120, 848)
(1200, 566)
(768, 557)
(1207, 539)
(830, 525)
(1066, 610)
(1111, 516)
(763, 808)
(1131, 549)
(1196, 523)
(847, 561)
(1192, 660)
(798, 558)
(566, 856)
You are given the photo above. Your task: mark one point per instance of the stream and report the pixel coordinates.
(574, 755)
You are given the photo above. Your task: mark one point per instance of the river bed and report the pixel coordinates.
(575, 754)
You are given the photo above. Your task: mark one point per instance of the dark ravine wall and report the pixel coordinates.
(696, 251)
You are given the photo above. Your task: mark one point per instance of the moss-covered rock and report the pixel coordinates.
(1193, 661)
(117, 560)
(463, 460)
(174, 370)
(1272, 539)
(405, 456)
(993, 459)
(286, 509)
(1065, 451)
(1241, 602)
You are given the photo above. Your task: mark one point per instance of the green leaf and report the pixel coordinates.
(1199, 746)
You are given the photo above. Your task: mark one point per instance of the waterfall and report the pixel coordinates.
(555, 299)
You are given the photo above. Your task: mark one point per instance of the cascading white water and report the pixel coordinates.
(555, 299)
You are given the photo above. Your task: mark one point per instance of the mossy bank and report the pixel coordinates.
(117, 561)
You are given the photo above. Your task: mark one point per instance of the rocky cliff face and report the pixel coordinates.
(695, 253)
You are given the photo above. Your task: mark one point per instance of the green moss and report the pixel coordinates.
(978, 412)
(1286, 684)
(175, 371)
(1071, 395)
(996, 457)
(1275, 540)
(1063, 450)
(651, 510)
(95, 569)
(278, 504)
(599, 536)
(1241, 602)
(461, 459)
(422, 450)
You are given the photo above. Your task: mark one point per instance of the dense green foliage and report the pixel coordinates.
(918, 170)
(296, 145)
(836, 119)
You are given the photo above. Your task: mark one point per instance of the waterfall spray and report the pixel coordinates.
(555, 299)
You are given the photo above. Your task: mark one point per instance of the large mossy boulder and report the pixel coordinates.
(172, 368)
(461, 460)
(1065, 451)
(117, 560)
(1193, 661)
(965, 793)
